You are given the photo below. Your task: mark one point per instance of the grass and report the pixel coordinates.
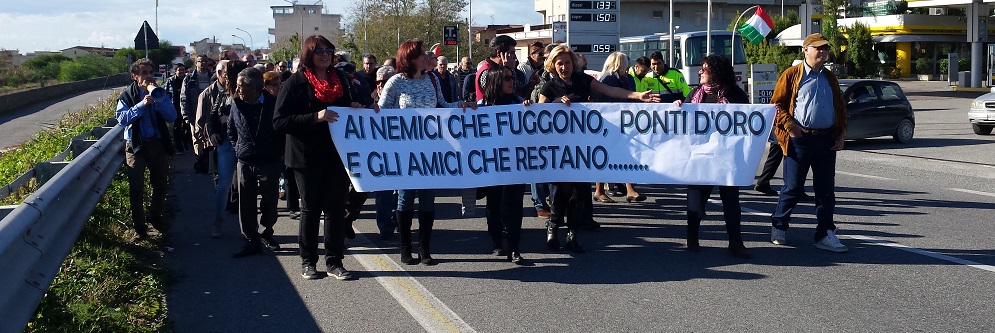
(107, 283)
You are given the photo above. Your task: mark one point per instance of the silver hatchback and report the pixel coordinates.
(982, 114)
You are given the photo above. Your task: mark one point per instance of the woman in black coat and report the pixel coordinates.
(718, 85)
(302, 115)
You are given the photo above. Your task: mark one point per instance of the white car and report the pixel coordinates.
(982, 114)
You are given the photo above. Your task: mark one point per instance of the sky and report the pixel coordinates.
(59, 24)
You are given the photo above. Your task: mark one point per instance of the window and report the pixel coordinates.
(310, 11)
(315, 28)
(657, 14)
(677, 14)
(890, 92)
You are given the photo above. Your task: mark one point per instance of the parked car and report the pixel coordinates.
(877, 108)
(982, 114)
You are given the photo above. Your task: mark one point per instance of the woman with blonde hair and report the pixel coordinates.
(614, 74)
(568, 84)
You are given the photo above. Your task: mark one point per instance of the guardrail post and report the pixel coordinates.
(46, 170)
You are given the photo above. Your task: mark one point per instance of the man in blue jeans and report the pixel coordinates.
(810, 124)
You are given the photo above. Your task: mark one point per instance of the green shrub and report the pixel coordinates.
(922, 66)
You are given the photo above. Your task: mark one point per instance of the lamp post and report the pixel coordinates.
(250, 38)
(236, 36)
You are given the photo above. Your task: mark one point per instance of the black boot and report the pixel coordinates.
(404, 230)
(552, 235)
(736, 247)
(692, 239)
(572, 243)
(425, 222)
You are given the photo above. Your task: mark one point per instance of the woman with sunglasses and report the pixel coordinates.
(413, 88)
(718, 85)
(301, 113)
(569, 84)
(504, 202)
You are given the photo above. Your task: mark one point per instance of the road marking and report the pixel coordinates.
(972, 192)
(864, 176)
(428, 311)
(891, 244)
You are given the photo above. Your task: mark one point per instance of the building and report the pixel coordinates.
(7, 57)
(79, 51)
(637, 17)
(304, 20)
(208, 46)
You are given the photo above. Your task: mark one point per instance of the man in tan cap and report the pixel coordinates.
(809, 125)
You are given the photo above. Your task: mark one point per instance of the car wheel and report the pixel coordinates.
(904, 131)
(982, 129)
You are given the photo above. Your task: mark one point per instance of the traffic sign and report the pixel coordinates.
(450, 35)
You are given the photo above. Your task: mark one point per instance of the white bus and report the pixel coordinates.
(689, 49)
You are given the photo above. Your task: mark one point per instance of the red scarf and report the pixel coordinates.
(325, 90)
(699, 95)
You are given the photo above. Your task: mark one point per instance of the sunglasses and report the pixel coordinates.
(823, 48)
(321, 51)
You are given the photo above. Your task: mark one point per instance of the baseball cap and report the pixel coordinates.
(815, 40)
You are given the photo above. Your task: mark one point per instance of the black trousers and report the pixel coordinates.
(504, 213)
(154, 157)
(572, 202)
(291, 190)
(322, 191)
(731, 211)
(774, 157)
(263, 181)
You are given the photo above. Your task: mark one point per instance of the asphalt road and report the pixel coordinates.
(917, 219)
(20, 126)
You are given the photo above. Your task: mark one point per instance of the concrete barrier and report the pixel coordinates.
(13, 102)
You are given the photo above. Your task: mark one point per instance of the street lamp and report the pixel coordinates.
(250, 38)
(236, 36)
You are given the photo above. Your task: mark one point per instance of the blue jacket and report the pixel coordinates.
(150, 120)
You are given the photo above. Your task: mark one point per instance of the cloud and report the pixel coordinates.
(42, 26)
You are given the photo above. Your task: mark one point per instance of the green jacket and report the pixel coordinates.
(647, 83)
(672, 86)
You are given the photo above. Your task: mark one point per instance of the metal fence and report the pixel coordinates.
(36, 235)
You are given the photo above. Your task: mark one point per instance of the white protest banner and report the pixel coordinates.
(643, 143)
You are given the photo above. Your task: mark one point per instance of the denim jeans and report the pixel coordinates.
(540, 191)
(808, 151)
(386, 203)
(406, 200)
(226, 172)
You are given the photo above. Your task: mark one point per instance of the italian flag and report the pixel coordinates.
(757, 27)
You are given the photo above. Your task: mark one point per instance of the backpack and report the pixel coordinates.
(543, 79)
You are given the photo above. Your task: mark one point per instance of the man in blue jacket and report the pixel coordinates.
(148, 144)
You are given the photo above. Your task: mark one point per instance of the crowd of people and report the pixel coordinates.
(261, 130)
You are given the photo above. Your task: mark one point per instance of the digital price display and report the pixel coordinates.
(597, 5)
(602, 17)
(594, 48)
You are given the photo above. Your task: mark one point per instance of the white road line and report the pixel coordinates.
(864, 176)
(972, 192)
(428, 311)
(891, 244)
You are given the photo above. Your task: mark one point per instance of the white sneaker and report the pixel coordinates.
(831, 243)
(778, 236)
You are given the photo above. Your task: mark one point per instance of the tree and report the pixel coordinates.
(286, 49)
(860, 50)
(387, 23)
(165, 54)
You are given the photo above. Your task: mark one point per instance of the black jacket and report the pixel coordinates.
(189, 93)
(251, 132)
(309, 143)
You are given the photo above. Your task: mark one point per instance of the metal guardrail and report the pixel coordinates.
(36, 235)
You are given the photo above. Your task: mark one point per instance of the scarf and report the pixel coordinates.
(699, 95)
(326, 91)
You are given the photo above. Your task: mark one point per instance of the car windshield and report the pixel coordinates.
(843, 86)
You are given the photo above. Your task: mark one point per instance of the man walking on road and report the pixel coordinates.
(148, 144)
(193, 84)
(259, 150)
(174, 86)
(809, 125)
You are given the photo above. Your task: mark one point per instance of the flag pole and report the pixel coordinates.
(732, 52)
